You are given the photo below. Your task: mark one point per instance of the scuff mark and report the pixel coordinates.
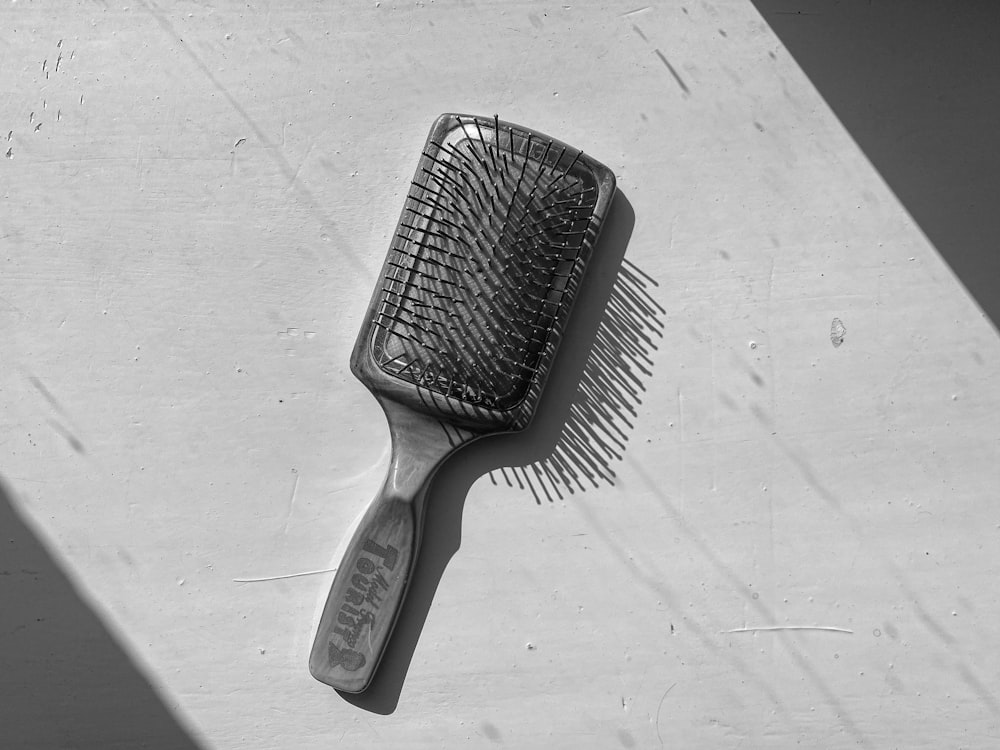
(673, 72)
(658, 708)
(295, 37)
(47, 394)
(979, 688)
(69, 437)
(286, 575)
(767, 628)
(291, 501)
(295, 176)
(837, 332)
(283, 164)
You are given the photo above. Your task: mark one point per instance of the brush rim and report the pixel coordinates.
(450, 408)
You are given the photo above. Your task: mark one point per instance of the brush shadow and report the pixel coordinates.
(65, 681)
(591, 386)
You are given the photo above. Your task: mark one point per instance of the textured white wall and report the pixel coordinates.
(196, 201)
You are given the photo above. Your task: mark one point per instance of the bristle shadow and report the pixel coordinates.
(596, 387)
(602, 410)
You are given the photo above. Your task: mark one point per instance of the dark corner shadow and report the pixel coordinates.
(64, 680)
(915, 83)
(582, 418)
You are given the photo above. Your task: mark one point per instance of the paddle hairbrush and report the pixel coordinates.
(489, 252)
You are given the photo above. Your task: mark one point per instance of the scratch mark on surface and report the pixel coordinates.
(69, 437)
(47, 394)
(286, 575)
(291, 501)
(638, 31)
(680, 412)
(658, 708)
(295, 177)
(673, 72)
(677, 514)
(924, 616)
(636, 12)
(283, 165)
(3, 300)
(827, 628)
(138, 162)
(979, 688)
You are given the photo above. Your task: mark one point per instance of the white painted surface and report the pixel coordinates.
(190, 239)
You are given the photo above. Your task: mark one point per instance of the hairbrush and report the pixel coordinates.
(480, 278)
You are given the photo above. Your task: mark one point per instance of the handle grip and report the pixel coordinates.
(366, 594)
(370, 583)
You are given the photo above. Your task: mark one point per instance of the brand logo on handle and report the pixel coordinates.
(361, 604)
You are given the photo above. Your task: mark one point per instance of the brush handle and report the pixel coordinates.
(371, 580)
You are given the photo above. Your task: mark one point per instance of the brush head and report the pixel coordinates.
(493, 240)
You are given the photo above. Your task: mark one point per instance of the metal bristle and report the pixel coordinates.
(486, 252)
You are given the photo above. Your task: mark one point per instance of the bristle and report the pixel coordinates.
(486, 253)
